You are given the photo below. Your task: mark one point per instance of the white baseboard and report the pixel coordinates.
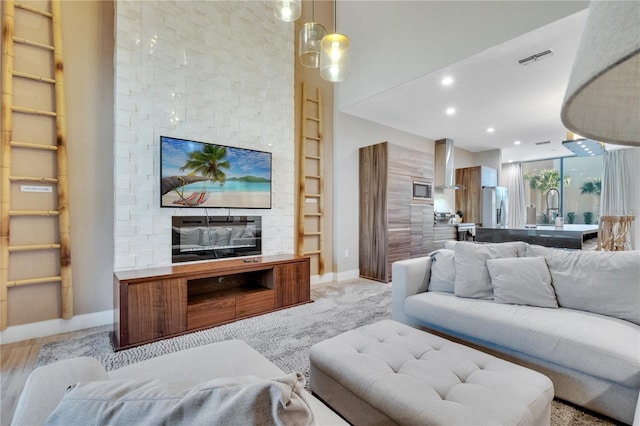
(34, 330)
(320, 279)
(348, 275)
(335, 276)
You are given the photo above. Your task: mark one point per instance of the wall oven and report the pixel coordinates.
(423, 190)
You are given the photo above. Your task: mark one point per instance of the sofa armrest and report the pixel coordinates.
(409, 277)
(46, 386)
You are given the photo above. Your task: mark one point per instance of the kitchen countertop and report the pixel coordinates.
(565, 228)
(568, 236)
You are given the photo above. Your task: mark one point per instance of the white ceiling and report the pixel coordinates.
(490, 89)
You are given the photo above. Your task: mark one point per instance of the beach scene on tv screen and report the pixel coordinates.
(197, 174)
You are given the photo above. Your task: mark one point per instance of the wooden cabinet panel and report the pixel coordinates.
(293, 284)
(421, 230)
(399, 249)
(398, 201)
(407, 161)
(211, 312)
(161, 302)
(469, 198)
(387, 234)
(156, 309)
(253, 303)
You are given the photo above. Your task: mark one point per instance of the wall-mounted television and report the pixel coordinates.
(199, 174)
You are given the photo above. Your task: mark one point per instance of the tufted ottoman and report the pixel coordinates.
(388, 372)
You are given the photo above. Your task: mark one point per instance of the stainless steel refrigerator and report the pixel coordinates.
(495, 202)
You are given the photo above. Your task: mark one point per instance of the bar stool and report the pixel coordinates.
(613, 232)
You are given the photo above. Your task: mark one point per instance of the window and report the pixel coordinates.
(568, 187)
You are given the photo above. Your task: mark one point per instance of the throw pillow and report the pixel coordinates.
(223, 236)
(472, 275)
(239, 400)
(189, 236)
(522, 281)
(601, 282)
(443, 270)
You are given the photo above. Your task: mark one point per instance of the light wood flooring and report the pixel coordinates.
(16, 362)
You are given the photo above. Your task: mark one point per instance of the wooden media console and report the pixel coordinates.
(157, 303)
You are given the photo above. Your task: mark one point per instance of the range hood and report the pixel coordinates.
(449, 166)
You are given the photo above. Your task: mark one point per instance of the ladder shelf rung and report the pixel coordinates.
(34, 247)
(33, 213)
(313, 138)
(32, 179)
(312, 176)
(312, 195)
(33, 145)
(33, 77)
(33, 9)
(312, 157)
(313, 214)
(313, 100)
(32, 111)
(312, 234)
(316, 119)
(312, 252)
(33, 43)
(15, 283)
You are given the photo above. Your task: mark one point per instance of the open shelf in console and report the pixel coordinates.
(223, 298)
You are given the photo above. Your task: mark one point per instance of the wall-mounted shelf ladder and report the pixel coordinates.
(310, 240)
(36, 104)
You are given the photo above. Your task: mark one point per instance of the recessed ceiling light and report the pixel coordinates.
(516, 143)
(447, 81)
(490, 130)
(451, 111)
(511, 161)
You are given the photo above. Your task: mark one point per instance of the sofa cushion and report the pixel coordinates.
(186, 236)
(472, 276)
(522, 281)
(578, 340)
(443, 270)
(239, 400)
(595, 281)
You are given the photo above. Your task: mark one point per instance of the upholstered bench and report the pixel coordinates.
(389, 372)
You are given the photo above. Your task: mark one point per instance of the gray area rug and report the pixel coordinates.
(284, 337)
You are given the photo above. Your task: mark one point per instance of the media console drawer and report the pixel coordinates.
(211, 312)
(157, 303)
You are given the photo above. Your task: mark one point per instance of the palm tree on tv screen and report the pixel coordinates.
(205, 165)
(209, 163)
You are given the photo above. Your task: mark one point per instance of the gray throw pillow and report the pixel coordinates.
(443, 271)
(522, 281)
(601, 282)
(189, 236)
(233, 401)
(472, 275)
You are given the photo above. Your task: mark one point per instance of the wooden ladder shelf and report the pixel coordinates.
(16, 156)
(310, 240)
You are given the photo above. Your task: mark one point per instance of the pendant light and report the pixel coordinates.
(311, 34)
(287, 10)
(602, 101)
(334, 55)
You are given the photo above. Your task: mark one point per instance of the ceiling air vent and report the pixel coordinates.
(543, 143)
(535, 57)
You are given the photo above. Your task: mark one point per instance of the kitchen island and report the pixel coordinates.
(567, 236)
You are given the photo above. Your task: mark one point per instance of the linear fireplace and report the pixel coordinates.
(215, 237)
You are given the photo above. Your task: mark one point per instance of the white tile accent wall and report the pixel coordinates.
(212, 71)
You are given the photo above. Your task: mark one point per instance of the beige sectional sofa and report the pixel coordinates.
(571, 315)
(221, 383)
